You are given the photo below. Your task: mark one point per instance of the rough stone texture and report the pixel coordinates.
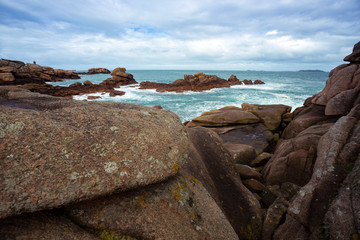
(211, 164)
(241, 153)
(342, 220)
(305, 118)
(260, 160)
(294, 158)
(274, 215)
(247, 172)
(175, 209)
(42, 225)
(291, 229)
(254, 185)
(226, 116)
(271, 115)
(354, 57)
(255, 135)
(55, 151)
(335, 151)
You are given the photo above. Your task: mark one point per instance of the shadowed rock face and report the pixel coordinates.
(214, 167)
(55, 151)
(176, 209)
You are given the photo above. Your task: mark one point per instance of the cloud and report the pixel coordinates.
(200, 34)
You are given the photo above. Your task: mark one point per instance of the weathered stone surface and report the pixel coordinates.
(226, 116)
(342, 220)
(255, 135)
(336, 149)
(175, 209)
(241, 153)
(116, 93)
(274, 215)
(342, 103)
(307, 117)
(291, 229)
(42, 225)
(211, 164)
(354, 57)
(260, 160)
(294, 158)
(119, 78)
(254, 185)
(247, 172)
(339, 80)
(271, 115)
(55, 151)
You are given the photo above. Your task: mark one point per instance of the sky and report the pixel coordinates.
(271, 35)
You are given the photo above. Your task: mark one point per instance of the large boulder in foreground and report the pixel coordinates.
(55, 151)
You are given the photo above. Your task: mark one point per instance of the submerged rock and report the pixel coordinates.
(56, 151)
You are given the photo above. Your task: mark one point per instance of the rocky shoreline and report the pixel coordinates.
(134, 172)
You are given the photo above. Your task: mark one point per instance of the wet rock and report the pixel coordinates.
(234, 80)
(116, 93)
(42, 225)
(56, 151)
(93, 97)
(175, 209)
(247, 172)
(213, 166)
(241, 153)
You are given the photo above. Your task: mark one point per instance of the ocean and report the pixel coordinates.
(289, 88)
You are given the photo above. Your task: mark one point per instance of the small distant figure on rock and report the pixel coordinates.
(34, 62)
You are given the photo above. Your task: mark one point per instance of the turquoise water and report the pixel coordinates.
(289, 88)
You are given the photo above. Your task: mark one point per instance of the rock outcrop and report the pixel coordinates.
(321, 146)
(17, 73)
(96, 71)
(197, 82)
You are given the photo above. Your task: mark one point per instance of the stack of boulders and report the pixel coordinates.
(197, 82)
(34, 77)
(17, 72)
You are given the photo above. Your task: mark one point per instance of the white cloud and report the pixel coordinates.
(182, 34)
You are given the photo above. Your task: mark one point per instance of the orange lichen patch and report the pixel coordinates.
(178, 191)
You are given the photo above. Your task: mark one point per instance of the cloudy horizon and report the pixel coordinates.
(281, 35)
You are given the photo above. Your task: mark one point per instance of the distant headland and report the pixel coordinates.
(310, 71)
